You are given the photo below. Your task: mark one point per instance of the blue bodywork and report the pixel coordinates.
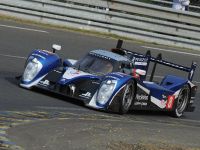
(173, 83)
(70, 80)
(48, 60)
(121, 79)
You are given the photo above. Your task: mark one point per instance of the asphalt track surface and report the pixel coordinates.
(17, 104)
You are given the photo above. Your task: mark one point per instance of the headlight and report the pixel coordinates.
(31, 70)
(105, 91)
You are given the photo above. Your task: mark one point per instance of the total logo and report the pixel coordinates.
(170, 102)
(45, 83)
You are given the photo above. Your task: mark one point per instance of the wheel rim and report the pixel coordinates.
(128, 96)
(182, 100)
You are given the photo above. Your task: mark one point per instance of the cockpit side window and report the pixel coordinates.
(127, 68)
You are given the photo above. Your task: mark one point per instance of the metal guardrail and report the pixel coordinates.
(168, 4)
(122, 17)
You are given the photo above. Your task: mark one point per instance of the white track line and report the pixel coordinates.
(12, 56)
(21, 28)
(172, 51)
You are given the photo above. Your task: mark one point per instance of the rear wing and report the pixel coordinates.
(157, 60)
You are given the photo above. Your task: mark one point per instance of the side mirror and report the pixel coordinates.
(56, 47)
(127, 66)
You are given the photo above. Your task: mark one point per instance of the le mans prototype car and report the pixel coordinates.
(112, 80)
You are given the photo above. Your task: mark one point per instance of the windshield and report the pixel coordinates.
(94, 64)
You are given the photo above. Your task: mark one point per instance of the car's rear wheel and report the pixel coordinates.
(181, 102)
(127, 97)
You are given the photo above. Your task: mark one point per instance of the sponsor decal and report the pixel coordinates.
(159, 103)
(164, 96)
(115, 78)
(45, 52)
(140, 103)
(38, 55)
(141, 97)
(135, 75)
(57, 71)
(140, 59)
(140, 72)
(163, 102)
(101, 56)
(170, 102)
(171, 64)
(93, 82)
(45, 82)
(86, 95)
(75, 72)
(71, 73)
(118, 73)
(140, 63)
(49, 52)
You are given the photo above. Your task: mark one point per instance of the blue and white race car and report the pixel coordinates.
(111, 80)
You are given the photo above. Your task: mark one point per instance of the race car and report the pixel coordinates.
(113, 80)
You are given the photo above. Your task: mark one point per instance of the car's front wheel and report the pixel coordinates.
(127, 97)
(181, 102)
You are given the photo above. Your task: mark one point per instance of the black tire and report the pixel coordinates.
(127, 97)
(181, 102)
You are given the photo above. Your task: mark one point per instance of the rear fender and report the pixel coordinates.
(173, 83)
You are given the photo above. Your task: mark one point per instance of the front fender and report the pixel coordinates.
(121, 80)
(40, 62)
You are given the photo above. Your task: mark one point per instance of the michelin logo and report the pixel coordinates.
(141, 97)
(140, 103)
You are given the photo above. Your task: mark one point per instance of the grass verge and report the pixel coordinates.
(142, 146)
